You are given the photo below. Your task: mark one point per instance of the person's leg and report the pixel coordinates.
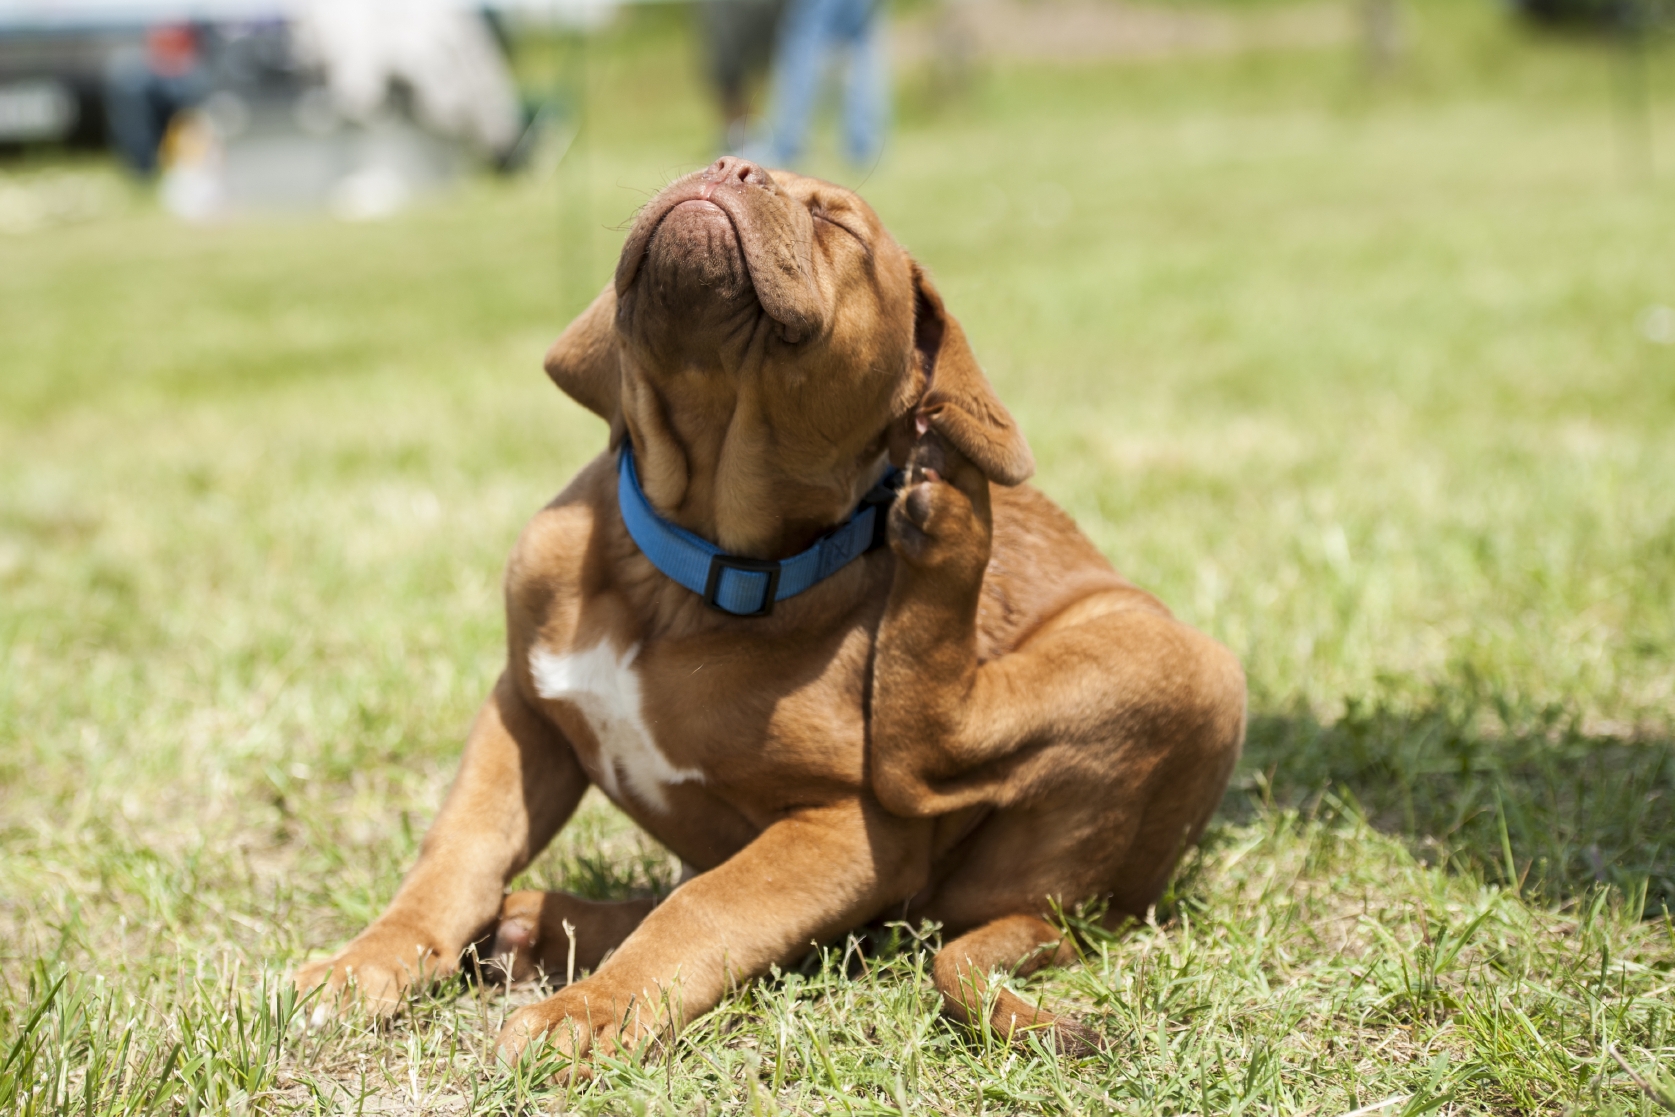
(799, 64)
(177, 94)
(866, 101)
(725, 62)
(129, 113)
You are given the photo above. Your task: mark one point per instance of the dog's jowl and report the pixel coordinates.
(803, 620)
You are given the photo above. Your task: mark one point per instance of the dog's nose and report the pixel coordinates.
(730, 170)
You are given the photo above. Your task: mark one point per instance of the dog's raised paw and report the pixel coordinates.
(941, 518)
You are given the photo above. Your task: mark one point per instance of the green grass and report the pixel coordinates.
(1349, 374)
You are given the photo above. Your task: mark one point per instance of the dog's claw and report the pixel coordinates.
(509, 1046)
(536, 1026)
(930, 456)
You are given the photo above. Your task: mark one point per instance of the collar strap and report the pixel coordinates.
(748, 587)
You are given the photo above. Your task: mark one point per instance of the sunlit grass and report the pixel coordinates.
(1352, 375)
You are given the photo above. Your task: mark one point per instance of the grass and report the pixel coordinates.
(1349, 373)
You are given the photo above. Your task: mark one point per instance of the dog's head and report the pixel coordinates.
(766, 345)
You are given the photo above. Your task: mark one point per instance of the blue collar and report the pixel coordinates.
(747, 587)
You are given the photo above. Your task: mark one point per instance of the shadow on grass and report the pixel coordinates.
(1536, 801)
(1467, 778)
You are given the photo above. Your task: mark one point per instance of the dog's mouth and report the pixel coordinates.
(723, 240)
(695, 255)
(701, 209)
(687, 245)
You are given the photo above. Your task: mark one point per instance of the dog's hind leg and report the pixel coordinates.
(1021, 944)
(558, 934)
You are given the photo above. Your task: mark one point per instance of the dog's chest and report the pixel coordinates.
(604, 687)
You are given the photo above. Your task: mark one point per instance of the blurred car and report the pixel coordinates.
(353, 104)
(1618, 14)
(52, 82)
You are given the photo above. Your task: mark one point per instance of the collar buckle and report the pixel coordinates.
(720, 563)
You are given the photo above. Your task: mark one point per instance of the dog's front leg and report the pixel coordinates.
(806, 878)
(518, 783)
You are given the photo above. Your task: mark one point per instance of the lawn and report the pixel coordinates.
(1362, 377)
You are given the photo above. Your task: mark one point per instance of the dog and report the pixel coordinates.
(804, 622)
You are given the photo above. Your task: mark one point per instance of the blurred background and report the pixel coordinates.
(1345, 326)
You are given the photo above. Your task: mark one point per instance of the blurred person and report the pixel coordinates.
(446, 58)
(192, 185)
(738, 44)
(811, 33)
(147, 87)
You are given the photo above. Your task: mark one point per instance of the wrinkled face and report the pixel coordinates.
(734, 238)
(765, 344)
(766, 324)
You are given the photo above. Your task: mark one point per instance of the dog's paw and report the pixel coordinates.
(374, 972)
(941, 518)
(568, 1027)
(1074, 1039)
(544, 1031)
(1018, 1019)
(515, 955)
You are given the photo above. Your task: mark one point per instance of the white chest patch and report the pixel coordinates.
(605, 689)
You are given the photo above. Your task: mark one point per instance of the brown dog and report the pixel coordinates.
(970, 725)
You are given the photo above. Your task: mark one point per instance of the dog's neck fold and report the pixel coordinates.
(732, 492)
(712, 461)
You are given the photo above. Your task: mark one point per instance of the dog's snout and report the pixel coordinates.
(730, 170)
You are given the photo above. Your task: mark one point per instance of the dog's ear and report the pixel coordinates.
(959, 403)
(583, 362)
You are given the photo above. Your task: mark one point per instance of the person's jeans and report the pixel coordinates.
(810, 32)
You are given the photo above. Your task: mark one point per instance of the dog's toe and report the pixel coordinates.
(918, 504)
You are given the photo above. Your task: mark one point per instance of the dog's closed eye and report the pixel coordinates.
(821, 215)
